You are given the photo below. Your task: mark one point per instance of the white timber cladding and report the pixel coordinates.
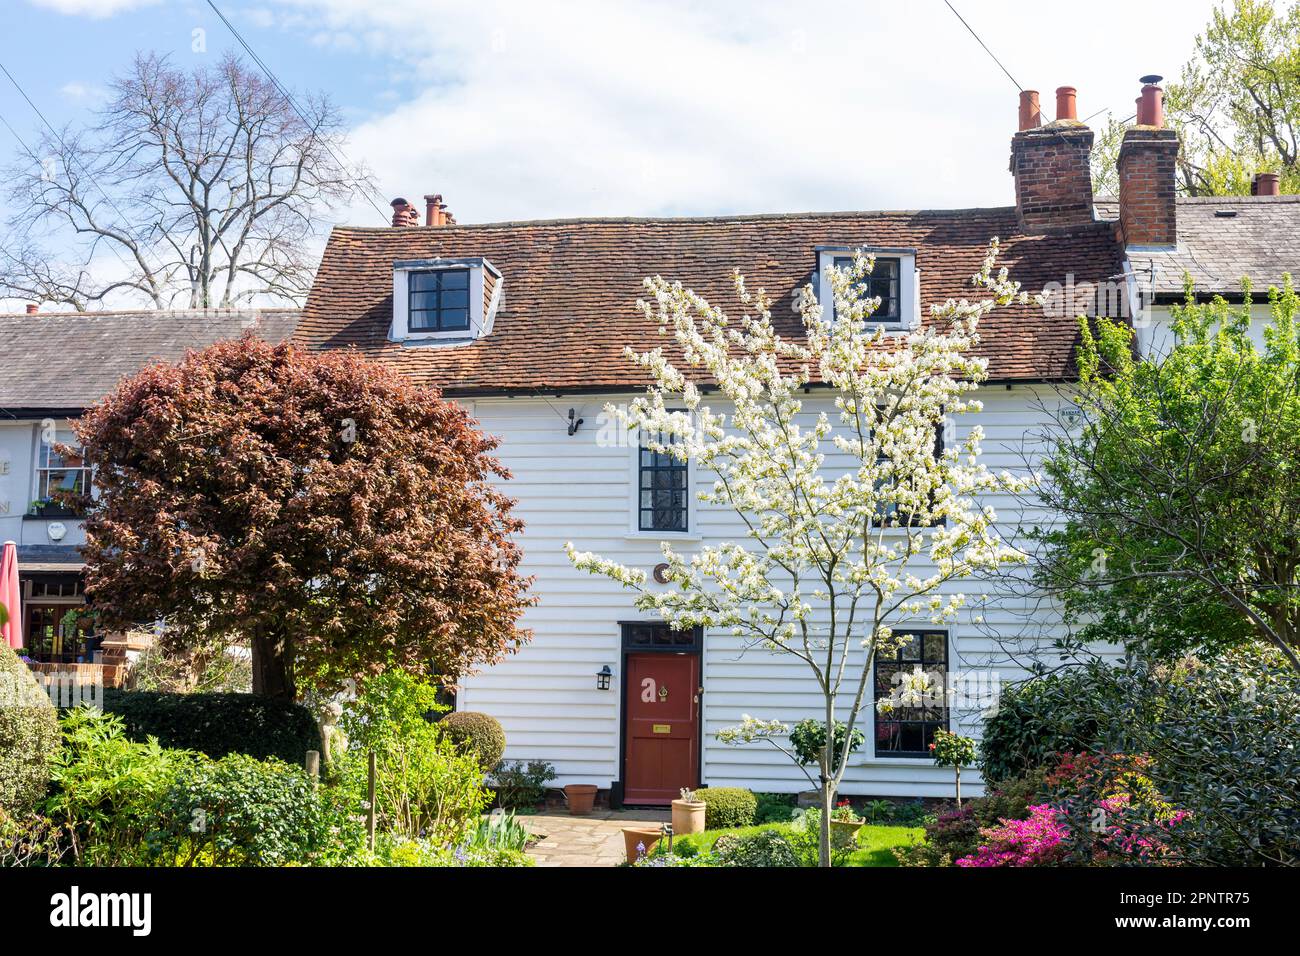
(579, 489)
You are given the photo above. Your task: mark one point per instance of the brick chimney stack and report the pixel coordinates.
(33, 308)
(1051, 165)
(1147, 170)
(404, 214)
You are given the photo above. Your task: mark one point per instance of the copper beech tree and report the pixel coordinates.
(319, 508)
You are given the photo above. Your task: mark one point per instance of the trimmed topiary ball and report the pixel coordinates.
(29, 735)
(727, 807)
(481, 733)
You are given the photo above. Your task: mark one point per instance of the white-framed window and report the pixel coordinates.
(61, 473)
(894, 278)
(453, 301)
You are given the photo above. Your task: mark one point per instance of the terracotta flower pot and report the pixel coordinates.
(844, 833)
(688, 816)
(643, 837)
(581, 797)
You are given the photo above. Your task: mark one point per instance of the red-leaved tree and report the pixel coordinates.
(318, 507)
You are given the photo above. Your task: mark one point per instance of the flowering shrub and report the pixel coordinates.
(1103, 810)
(765, 848)
(396, 851)
(1037, 841)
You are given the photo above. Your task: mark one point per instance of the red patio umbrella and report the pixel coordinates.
(10, 596)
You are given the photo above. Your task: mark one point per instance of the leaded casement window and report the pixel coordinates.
(662, 489)
(908, 731)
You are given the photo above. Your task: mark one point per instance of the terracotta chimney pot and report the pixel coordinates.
(1268, 184)
(1065, 103)
(433, 210)
(1151, 104)
(1030, 113)
(404, 214)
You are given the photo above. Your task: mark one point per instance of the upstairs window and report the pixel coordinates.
(62, 477)
(662, 490)
(882, 282)
(446, 302)
(439, 300)
(888, 512)
(894, 278)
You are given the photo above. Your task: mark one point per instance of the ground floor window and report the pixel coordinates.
(909, 731)
(59, 634)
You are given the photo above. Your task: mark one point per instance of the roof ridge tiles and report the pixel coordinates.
(676, 220)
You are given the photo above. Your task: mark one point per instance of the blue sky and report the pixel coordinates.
(638, 107)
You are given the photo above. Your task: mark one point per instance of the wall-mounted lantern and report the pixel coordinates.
(603, 677)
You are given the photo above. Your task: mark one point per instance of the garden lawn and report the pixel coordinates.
(874, 842)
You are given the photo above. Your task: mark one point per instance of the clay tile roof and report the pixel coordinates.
(67, 361)
(571, 286)
(1221, 239)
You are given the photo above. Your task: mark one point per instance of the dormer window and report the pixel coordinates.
(439, 300)
(882, 282)
(444, 301)
(894, 278)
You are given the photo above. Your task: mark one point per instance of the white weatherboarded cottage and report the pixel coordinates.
(525, 324)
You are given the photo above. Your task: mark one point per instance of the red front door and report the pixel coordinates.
(663, 731)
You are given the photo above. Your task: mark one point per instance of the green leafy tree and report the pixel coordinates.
(1236, 105)
(1179, 487)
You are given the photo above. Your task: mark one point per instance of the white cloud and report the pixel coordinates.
(97, 9)
(528, 110)
(84, 94)
(538, 110)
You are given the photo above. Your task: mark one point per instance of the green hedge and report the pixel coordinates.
(29, 735)
(218, 724)
(727, 807)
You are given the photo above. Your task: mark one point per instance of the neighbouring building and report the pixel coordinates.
(56, 365)
(525, 322)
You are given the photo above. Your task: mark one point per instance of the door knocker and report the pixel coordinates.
(663, 693)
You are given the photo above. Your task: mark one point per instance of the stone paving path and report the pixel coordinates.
(592, 840)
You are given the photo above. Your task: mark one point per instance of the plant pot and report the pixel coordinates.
(581, 797)
(645, 837)
(688, 816)
(844, 833)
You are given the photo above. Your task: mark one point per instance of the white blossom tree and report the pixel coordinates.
(834, 557)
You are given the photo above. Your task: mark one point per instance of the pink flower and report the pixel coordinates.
(1033, 842)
